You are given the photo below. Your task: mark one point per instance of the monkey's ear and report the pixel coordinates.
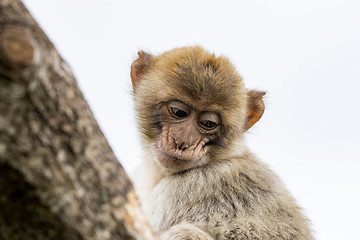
(140, 66)
(256, 107)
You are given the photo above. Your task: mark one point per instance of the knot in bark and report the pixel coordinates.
(16, 49)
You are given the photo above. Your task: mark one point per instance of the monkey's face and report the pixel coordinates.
(182, 142)
(192, 106)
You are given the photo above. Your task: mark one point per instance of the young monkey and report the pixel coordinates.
(198, 180)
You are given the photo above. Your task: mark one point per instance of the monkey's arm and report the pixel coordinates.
(185, 231)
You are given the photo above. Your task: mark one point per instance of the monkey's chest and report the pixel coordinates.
(170, 203)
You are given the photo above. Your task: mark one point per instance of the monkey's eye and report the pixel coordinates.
(178, 109)
(209, 120)
(208, 125)
(178, 112)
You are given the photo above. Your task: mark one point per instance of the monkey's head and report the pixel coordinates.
(192, 107)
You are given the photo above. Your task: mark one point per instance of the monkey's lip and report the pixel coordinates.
(166, 158)
(174, 159)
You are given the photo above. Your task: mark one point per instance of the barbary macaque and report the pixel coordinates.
(198, 180)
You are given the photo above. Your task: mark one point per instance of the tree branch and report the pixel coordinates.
(59, 178)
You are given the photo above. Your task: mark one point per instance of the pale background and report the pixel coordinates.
(306, 54)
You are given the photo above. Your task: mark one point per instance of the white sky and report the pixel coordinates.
(306, 54)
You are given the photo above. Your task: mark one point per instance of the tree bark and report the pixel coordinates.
(59, 178)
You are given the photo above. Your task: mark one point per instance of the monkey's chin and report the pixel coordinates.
(174, 164)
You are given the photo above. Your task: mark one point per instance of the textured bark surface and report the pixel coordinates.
(59, 178)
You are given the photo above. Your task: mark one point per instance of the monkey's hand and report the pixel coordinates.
(185, 231)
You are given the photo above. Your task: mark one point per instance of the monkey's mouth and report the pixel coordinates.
(173, 162)
(175, 159)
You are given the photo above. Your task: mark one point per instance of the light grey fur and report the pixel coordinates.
(231, 198)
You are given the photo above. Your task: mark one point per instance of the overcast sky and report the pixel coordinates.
(305, 54)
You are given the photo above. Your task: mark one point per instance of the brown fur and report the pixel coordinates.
(227, 193)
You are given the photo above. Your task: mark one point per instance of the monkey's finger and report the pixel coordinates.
(199, 149)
